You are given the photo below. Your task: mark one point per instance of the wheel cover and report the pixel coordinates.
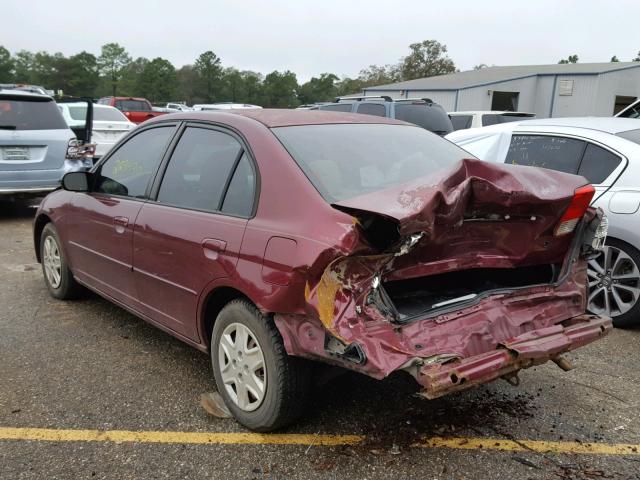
(614, 282)
(242, 367)
(52, 262)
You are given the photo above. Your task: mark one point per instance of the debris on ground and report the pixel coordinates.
(214, 405)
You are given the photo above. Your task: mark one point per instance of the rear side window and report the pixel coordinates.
(429, 116)
(336, 107)
(372, 109)
(199, 168)
(30, 115)
(495, 118)
(239, 197)
(461, 122)
(598, 163)
(127, 172)
(79, 112)
(132, 106)
(546, 151)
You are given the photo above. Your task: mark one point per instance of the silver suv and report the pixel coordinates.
(37, 147)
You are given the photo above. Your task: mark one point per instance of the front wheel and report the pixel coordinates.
(57, 275)
(614, 283)
(264, 388)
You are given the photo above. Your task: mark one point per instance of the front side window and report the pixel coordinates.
(546, 151)
(347, 160)
(128, 171)
(199, 168)
(598, 163)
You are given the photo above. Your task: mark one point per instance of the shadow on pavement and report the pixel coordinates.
(12, 208)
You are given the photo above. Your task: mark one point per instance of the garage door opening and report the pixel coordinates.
(505, 101)
(622, 102)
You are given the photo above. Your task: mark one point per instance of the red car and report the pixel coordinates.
(273, 237)
(137, 110)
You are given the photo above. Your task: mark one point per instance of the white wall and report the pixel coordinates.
(622, 83)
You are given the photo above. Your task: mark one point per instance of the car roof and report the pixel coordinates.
(84, 104)
(272, 117)
(22, 93)
(491, 112)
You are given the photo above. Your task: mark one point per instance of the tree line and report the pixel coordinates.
(206, 80)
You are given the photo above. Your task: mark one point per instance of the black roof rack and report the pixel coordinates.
(359, 98)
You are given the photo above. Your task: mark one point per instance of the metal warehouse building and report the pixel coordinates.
(578, 89)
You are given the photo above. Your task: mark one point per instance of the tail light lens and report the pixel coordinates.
(77, 150)
(73, 150)
(574, 212)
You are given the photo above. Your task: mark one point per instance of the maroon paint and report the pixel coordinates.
(177, 258)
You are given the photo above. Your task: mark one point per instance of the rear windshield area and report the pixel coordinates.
(496, 118)
(79, 112)
(425, 115)
(347, 160)
(631, 135)
(30, 114)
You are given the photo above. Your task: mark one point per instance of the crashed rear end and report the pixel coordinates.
(460, 278)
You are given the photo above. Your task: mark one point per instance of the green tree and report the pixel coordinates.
(614, 59)
(318, 89)
(112, 62)
(6, 66)
(280, 89)
(209, 68)
(349, 86)
(187, 79)
(427, 59)
(23, 67)
(82, 71)
(379, 75)
(570, 59)
(130, 81)
(253, 87)
(233, 86)
(158, 81)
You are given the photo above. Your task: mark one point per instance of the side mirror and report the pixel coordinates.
(77, 181)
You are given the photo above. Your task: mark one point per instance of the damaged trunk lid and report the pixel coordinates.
(441, 241)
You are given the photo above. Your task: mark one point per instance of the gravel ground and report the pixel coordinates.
(90, 365)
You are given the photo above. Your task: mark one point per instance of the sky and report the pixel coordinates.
(337, 36)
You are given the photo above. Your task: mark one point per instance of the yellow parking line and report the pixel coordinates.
(119, 436)
(541, 446)
(461, 443)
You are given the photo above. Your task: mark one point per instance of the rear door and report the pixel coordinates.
(192, 233)
(100, 223)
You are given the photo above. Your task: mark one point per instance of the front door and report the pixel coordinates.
(192, 234)
(100, 223)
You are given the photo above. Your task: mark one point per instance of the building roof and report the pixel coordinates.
(489, 75)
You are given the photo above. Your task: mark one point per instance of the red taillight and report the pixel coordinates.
(574, 212)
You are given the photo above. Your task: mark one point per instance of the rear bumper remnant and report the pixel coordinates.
(532, 348)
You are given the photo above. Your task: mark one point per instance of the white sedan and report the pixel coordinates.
(606, 151)
(109, 124)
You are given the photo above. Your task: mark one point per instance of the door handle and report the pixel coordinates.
(120, 223)
(212, 247)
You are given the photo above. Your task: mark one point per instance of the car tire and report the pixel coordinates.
(285, 380)
(619, 280)
(55, 269)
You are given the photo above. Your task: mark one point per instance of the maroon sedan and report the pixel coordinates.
(270, 238)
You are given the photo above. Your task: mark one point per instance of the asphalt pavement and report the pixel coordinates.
(89, 391)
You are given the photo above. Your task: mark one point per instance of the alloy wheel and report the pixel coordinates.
(614, 282)
(52, 262)
(242, 366)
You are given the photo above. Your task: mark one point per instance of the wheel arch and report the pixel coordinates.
(212, 303)
(38, 226)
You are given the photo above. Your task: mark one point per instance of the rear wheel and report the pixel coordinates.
(614, 283)
(57, 275)
(264, 388)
